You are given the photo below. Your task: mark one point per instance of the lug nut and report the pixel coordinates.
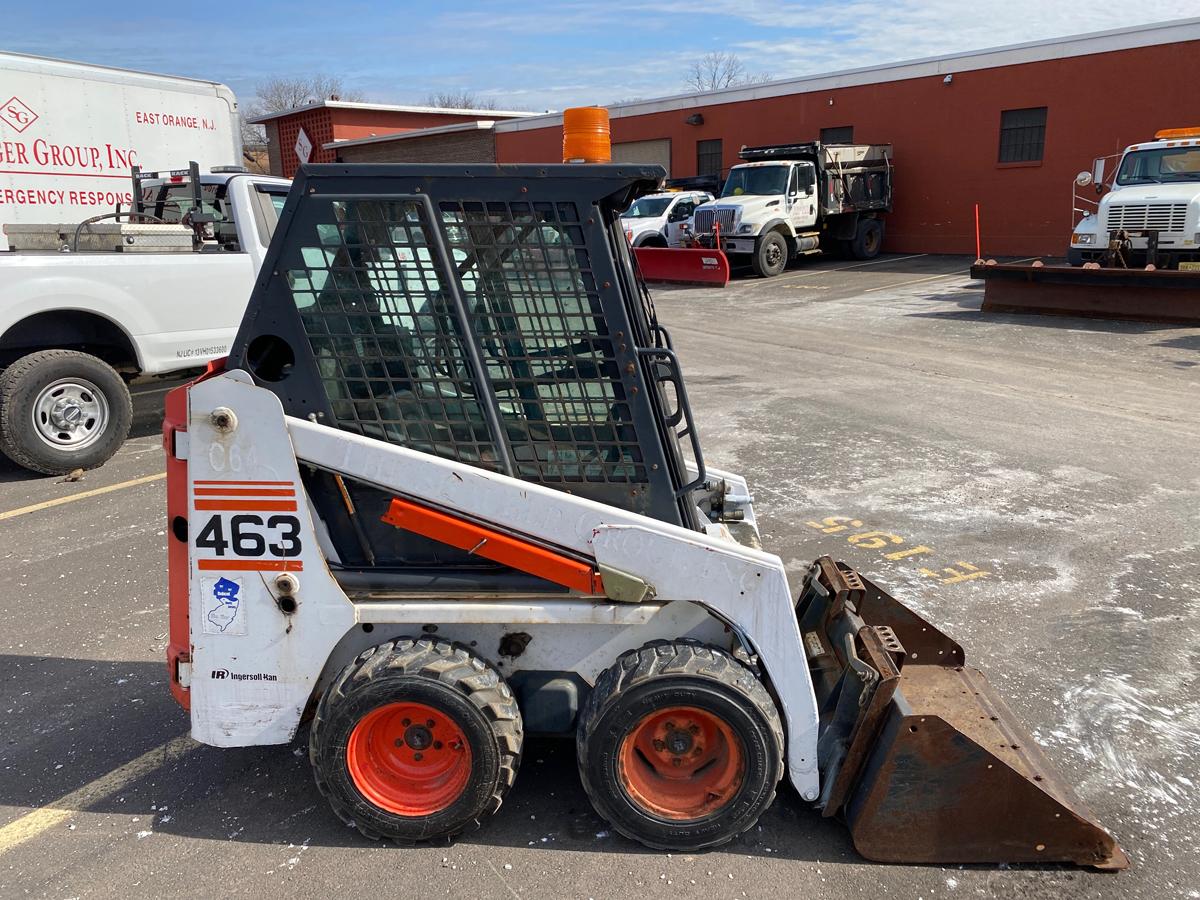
(399, 742)
(418, 756)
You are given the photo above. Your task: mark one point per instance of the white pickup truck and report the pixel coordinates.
(79, 320)
(657, 220)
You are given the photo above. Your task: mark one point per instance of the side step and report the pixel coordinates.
(918, 753)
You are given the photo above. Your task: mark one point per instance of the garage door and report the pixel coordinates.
(655, 153)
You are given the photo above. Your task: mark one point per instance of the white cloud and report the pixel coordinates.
(779, 39)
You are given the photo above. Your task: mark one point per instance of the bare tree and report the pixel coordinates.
(463, 99)
(278, 94)
(718, 70)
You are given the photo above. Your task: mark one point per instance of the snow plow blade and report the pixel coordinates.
(918, 754)
(680, 266)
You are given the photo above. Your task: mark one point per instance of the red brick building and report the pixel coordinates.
(328, 122)
(1007, 128)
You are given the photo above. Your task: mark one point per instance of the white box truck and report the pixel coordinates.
(70, 132)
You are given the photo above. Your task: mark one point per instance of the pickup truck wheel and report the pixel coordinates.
(869, 239)
(62, 410)
(771, 256)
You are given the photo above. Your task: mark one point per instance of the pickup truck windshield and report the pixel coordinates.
(647, 208)
(757, 180)
(1164, 166)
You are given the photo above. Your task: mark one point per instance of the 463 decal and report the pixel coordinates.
(250, 525)
(250, 535)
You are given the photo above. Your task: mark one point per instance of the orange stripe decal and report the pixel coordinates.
(245, 492)
(495, 545)
(249, 483)
(250, 565)
(251, 505)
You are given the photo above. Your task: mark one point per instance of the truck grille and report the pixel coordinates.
(706, 217)
(1146, 216)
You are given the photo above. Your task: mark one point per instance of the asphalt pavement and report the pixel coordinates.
(1047, 467)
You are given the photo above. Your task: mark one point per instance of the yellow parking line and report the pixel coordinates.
(58, 811)
(82, 495)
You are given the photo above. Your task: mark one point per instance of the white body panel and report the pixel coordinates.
(69, 133)
(691, 572)
(179, 309)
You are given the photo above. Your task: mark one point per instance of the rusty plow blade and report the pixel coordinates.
(918, 754)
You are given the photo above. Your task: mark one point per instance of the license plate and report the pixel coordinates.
(1189, 267)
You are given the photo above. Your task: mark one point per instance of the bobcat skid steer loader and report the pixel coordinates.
(447, 490)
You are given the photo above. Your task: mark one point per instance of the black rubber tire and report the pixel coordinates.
(652, 240)
(668, 673)
(868, 240)
(770, 256)
(438, 673)
(24, 380)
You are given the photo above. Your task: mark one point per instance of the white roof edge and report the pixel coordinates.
(390, 107)
(477, 125)
(1171, 32)
(31, 61)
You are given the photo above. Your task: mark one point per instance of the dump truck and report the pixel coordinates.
(1150, 214)
(791, 200)
(447, 491)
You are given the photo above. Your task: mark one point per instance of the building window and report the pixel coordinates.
(1022, 135)
(708, 157)
(843, 134)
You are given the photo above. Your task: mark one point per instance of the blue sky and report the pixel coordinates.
(538, 54)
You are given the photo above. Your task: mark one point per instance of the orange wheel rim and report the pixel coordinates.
(681, 763)
(409, 759)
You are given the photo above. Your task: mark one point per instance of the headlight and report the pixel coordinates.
(1083, 238)
(748, 228)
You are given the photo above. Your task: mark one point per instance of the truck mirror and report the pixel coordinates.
(1098, 172)
(1083, 179)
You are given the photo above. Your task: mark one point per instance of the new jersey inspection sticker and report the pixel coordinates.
(224, 606)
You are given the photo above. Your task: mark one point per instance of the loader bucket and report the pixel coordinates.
(918, 754)
(703, 267)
